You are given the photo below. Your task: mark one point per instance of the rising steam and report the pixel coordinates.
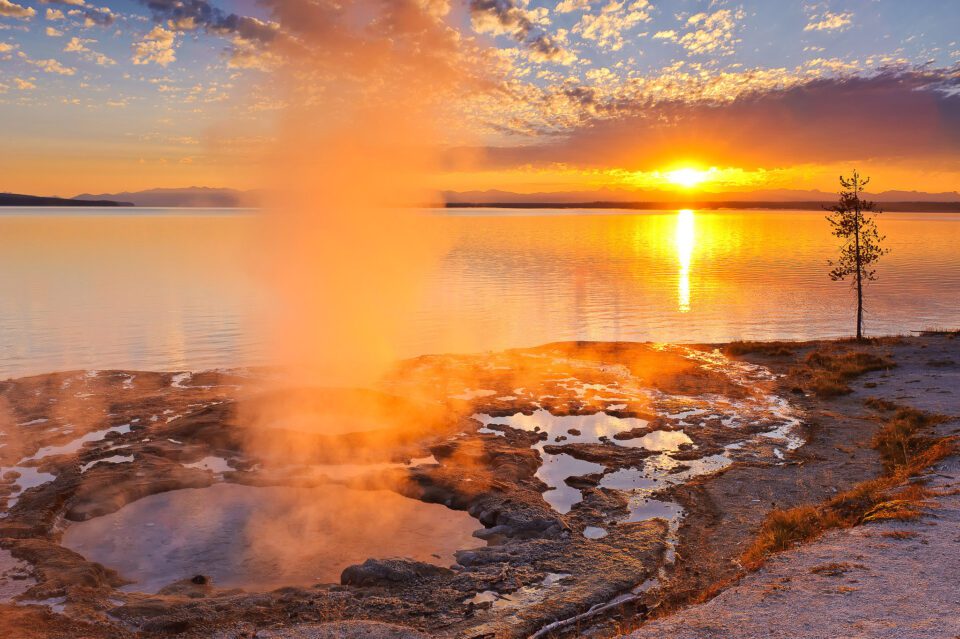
(366, 88)
(364, 85)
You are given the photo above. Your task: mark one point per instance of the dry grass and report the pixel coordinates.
(835, 569)
(950, 332)
(880, 404)
(900, 534)
(772, 349)
(901, 438)
(906, 452)
(827, 371)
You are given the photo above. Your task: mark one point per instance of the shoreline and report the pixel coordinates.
(723, 508)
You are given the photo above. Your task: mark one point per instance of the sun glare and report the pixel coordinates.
(688, 177)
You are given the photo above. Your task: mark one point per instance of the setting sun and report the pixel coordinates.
(688, 177)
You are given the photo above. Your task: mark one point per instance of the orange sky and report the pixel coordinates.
(543, 95)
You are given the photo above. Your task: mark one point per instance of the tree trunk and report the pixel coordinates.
(856, 228)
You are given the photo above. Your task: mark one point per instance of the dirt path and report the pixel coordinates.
(898, 579)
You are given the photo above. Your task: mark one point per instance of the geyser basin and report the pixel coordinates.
(264, 538)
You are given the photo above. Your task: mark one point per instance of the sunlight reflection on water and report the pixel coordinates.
(685, 242)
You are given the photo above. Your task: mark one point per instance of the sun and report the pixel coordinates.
(688, 176)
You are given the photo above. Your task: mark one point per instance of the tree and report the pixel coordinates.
(851, 221)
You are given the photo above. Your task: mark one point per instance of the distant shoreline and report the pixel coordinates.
(13, 199)
(893, 207)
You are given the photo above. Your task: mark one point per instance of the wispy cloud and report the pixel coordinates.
(157, 47)
(527, 26)
(711, 32)
(53, 66)
(79, 45)
(12, 10)
(607, 27)
(829, 22)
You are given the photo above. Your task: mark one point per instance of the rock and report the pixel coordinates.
(583, 481)
(343, 630)
(493, 534)
(387, 572)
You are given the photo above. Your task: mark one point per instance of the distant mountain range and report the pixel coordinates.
(194, 196)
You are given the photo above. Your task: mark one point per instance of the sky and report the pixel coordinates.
(102, 96)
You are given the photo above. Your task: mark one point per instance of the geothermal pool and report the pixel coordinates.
(264, 538)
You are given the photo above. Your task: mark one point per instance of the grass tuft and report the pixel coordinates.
(900, 534)
(882, 405)
(772, 349)
(901, 439)
(895, 509)
(906, 452)
(828, 372)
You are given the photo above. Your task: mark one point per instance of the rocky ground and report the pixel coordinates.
(882, 579)
(607, 480)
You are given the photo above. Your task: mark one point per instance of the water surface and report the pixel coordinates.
(167, 290)
(261, 538)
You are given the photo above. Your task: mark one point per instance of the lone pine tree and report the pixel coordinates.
(852, 220)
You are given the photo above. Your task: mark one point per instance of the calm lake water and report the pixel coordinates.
(168, 290)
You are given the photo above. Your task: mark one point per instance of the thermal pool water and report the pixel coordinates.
(259, 538)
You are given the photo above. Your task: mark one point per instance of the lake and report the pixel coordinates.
(173, 289)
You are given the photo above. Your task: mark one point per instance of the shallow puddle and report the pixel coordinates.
(554, 470)
(29, 478)
(264, 538)
(570, 429)
(591, 427)
(76, 444)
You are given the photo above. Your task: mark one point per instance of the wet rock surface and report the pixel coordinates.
(542, 447)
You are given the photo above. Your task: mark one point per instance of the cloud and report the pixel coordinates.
(666, 35)
(101, 16)
(11, 10)
(569, 6)
(55, 14)
(158, 47)
(526, 26)
(6, 47)
(830, 22)
(607, 26)
(78, 44)
(247, 55)
(713, 33)
(100, 59)
(24, 85)
(53, 66)
(187, 15)
(53, 33)
(909, 115)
